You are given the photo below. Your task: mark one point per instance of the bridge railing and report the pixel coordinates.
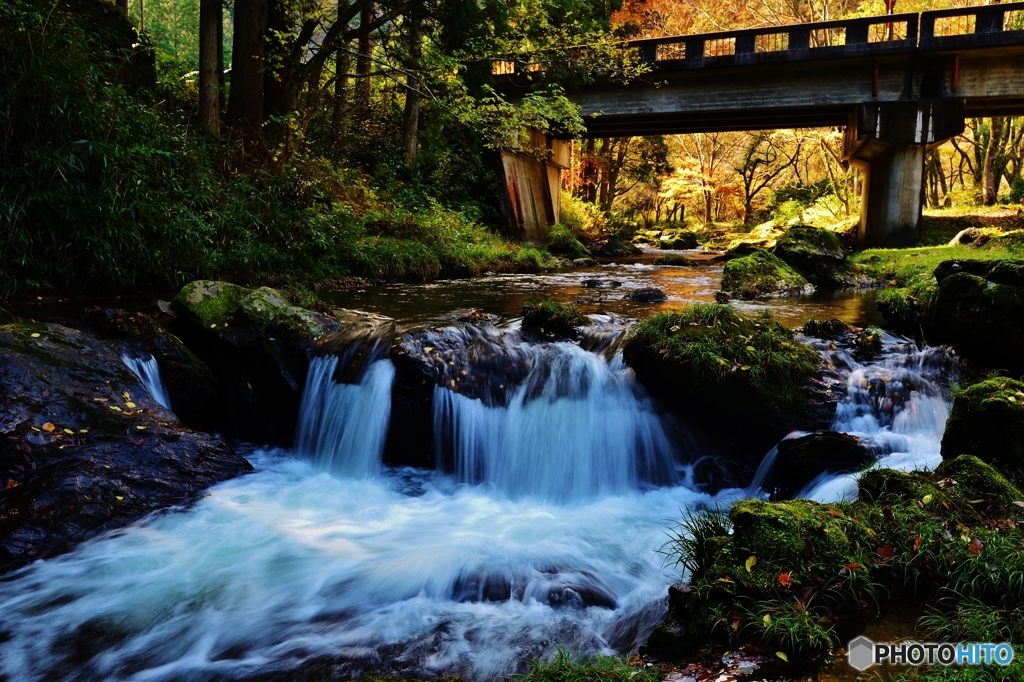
(797, 42)
(967, 27)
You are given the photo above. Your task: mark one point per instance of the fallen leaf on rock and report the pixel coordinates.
(49, 427)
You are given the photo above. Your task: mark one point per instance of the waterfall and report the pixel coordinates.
(577, 428)
(342, 427)
(896, 404)
(148, 371)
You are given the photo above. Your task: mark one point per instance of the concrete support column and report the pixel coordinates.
(891, 198)
(532, 199)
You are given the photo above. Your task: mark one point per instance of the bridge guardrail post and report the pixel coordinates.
(989, 19)
(649, 53)
(857, 34)
(695, 53)
(799, 39)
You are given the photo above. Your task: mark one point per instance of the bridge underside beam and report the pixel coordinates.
(717, 121)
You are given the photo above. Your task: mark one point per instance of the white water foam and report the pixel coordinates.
(409, 574)
(342, 427)
(148, 371)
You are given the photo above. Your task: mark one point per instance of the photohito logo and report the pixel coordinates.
(862, 653)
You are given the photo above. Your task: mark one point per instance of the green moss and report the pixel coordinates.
(987, 421)
(824, 329)
(672, 259)
(868, 342)
(788, 534)
(761, 274)
(899, 307)
(551, 319)
(561, 240)
(565, 667)
(710, 351)
(679, 239)
(265, 307)
(210, 303)
(977, 480)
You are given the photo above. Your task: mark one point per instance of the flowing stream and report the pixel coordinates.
(539, 528)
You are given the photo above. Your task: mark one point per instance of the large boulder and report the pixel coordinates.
(84, 448)
(680, 239)
(714, 366)
(551, 320)
(615, 248)
(979, 308)
(257, 345)
(987, 421)
(803, 458)
(762, 274)
(816, 254)
(189, 382)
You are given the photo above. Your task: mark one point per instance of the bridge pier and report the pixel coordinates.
(532, 176)
(887, 142)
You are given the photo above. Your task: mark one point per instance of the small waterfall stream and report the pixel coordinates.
(148, 371)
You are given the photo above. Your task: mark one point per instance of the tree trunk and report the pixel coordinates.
(364, 60)
(588, 184)
(245, 106)
(210, 22)
(990, 179)
(339, 116)
(277, 77)
(123, 4)
(411, 119)
(222, 85)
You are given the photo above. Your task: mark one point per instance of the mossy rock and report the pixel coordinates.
(678, 241)
(210, 304)
(552, 320)
(816, 254)
(673, 259)
(801, 459)
(709, 361)
(762, 274)
(1007, 272)
(265, 307)
(888, 486)
(615, 248)
(868, 343)
(987, 421)
(824, 329)
(789, 533)
(983, 319)
(563, 242)
(978, 268)
(899, 308)
(740, 249)
(977, 480)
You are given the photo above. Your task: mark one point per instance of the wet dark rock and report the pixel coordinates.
(163, 312)
(593, 283)
(583, 262)
(477, 361)
(83, 447)
(258, 345)
(722, 297)
(678, 240)
(650, 295)
(362, 338)
(825, 329)
(188, 380)
(1007, 272)
(478, 317)
(802, 459)
(982, 318)
(817, 255)
(868, 343)
(614, 248)
(743, 249)
(987, 421)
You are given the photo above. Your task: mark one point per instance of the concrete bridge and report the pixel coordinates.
(899, 84)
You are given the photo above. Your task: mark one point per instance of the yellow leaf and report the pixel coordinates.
(751, 560)
(35, 336)
(49, 427)
(36, 429)
(83, 430)
(114, 407)
(213, 326)
(674, 328)
(782, 655)
(118, 497)
(745, 367)
(767, 619)
(141, 428)
(751, 349)
(427, 349)
(69, 432)
(130, 404)
(870, 532)
(126, 396)
(926, 499)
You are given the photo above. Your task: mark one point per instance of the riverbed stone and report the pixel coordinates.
(987, 421)
(816, 254)
(84, 449)
(801, 459)
(551, 320)
(762, 274)
(615, 248)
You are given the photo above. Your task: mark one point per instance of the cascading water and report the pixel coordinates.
(896, 404)
(342, 426)
(148, 371)
(577, 427)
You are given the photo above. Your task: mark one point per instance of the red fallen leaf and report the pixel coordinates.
(42, 507)
(1010, 523)
(917, 543)
(10, 484)
(806, 594)
(852, 567)
(837, 514)
(142, 441)
(786, 579)
(975, 547)
(884, 553)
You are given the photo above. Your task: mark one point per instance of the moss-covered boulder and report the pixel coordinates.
(563, 242)
(551, 320)
(899, 309)
(979, 481)
(615, 248)
(678, 239)
(258, 344)
(673, 259)
(716, 366)
(816, 254)
(83, 447)
(762, 274)
(987, 421)
(868, 343)
(801, 459)
(825, 329)
(983, 318)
